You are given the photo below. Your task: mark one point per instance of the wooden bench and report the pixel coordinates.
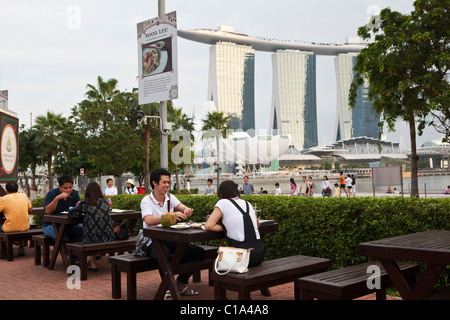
(267, 274)
(348, 283)
(83, 250)
(131, 265)
(7, 239)
(42, 241)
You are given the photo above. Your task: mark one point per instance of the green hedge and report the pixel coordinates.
(326, 227)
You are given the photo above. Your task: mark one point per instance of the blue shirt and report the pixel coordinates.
(248, 188)
(63, 205)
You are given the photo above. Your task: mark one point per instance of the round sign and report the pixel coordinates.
(8, 149)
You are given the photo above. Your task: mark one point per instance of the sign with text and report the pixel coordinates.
(9, 147)
(157, 59)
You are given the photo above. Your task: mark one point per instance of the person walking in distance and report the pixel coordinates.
(342, 183)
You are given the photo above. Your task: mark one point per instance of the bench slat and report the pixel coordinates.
(346, 283)
(267, 274)
(132, 264)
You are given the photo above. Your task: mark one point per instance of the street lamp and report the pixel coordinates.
(164, 126)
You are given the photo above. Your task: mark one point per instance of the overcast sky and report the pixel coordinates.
(50, 50)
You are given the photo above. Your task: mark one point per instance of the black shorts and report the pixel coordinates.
(342, 186)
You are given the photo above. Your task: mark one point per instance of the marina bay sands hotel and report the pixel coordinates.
(231, 84)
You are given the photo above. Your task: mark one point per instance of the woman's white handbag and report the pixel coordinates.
(230, 259)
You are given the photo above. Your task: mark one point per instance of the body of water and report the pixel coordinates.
(429, 184)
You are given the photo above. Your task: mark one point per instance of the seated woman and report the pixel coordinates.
(239, 221)
(97, 225)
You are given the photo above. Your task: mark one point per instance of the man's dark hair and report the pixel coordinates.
(155, 175)
(107, 180)
(209, 180)
(12, 187)
(228, 190)
(64, 179)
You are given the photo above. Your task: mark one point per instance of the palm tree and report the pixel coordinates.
(102, 97)
(181, 121)
(218, 123)
(50, 138)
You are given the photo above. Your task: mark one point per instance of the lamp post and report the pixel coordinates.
(164, 145)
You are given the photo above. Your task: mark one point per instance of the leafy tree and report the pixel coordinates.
(181, 121)
(49, 139)
(106, 125)
(216, 123)
(28, 153)
(407, 68)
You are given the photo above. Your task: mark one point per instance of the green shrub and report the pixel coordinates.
(326, 227)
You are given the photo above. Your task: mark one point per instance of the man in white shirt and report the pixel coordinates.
(152, 207)
(110, 190)
(348, 181)
(277, 189)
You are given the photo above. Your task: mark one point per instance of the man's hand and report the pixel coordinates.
(63, 196)
(188, 212)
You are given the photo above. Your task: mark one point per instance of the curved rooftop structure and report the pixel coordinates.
(209, 36)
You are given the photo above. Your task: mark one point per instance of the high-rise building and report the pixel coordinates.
(231, 82)
(294, 110)
(358, 121)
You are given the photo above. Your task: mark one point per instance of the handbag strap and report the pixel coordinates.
(249, 230)
(223, 273)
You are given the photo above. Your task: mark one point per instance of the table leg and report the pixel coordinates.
(58, 246)
(168, 280)
(421, 289)
(426, 282)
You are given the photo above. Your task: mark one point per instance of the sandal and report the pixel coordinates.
(188, 292)
(168, 296)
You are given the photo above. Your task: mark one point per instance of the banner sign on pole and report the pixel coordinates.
(157, 59)
(9, 149)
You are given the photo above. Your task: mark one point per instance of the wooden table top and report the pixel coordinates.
(432, 246)
(193, 234)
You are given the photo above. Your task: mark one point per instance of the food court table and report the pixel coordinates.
(184, 237)
(61, 220)
(430, 247)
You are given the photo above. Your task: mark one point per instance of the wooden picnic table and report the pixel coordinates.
(61, 220)
(184, 237)
(430, 247)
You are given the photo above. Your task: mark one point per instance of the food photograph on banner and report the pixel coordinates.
(157, 57)
(9, 147)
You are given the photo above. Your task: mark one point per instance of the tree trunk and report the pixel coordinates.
(147, 158)
(177, 179)
(412, 134)
(119, 184)
(218, 160)
(50, 173)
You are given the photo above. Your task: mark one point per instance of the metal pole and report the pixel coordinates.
(164, 145)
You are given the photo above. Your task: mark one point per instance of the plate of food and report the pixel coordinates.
(179, 226)
(154, 59)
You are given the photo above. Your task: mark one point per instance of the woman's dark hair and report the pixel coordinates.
(155, 175)
(326, 178)
(292, 181)
(228, 190)
(93, 193)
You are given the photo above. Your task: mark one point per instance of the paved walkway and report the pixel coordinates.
(22, 280)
